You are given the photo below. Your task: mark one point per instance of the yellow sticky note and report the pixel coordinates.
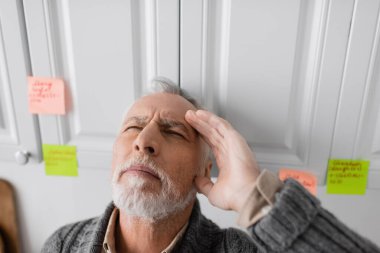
(307, 179)
(347, 176)
(60, 160)
(46, 95)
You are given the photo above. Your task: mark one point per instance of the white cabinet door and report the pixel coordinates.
(280, 71)
(106, 52)
(357, 129)
(18, 128)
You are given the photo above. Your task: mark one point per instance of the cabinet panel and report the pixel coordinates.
(8, 129)
(258, 88)
(366, 121)
(19, 130)
(357, 123)
(271, 68)
(106, 52)
(353, 100)
(299, 80)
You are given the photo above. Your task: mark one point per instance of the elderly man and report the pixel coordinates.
(161, 158)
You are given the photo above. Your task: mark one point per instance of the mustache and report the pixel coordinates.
(144, 162)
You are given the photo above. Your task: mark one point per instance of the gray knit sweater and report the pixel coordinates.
(297, 223)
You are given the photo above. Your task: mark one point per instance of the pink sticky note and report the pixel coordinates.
(46, 95)
(307, 179)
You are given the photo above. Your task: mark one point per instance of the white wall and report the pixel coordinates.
(45, 203)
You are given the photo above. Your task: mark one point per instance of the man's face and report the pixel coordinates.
(166, 148)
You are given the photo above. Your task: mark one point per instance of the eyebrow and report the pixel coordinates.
(169, 123)
(140, 120)
(163, 123)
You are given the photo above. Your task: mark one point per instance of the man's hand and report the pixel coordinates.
(238, 168)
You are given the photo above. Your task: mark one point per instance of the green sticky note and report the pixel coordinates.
(347, 176)
(60, 160)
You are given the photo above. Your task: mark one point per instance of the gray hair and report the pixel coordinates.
(163, 84)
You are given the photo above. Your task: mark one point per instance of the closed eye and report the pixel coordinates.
(133, 128)
(171, 132)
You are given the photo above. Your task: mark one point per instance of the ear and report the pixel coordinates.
(208, 169)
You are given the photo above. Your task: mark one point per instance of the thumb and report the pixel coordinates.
(203, 184)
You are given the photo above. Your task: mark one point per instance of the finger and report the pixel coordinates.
(203, 184)
(209, 134)
(220, 124)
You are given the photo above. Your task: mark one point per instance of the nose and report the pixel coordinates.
(147, 141)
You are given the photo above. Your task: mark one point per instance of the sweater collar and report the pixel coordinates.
(198, 229)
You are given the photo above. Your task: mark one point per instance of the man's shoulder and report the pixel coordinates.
(80, 236)
(71, 236)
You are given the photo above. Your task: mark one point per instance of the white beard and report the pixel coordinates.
(133, 198)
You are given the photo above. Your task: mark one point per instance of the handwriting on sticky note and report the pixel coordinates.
(60, 160)
(307, 179)
(347, 176)
(46, 95)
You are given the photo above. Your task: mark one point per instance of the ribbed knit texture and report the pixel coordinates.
(83, 236)
(296, 223)
(299, 224)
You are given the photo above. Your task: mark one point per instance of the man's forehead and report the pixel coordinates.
(162, 117)
(168, 105)
(162, 122)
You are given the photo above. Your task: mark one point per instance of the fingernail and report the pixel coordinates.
(190, 113)
(199, 112)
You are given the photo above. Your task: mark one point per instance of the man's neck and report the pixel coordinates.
(134, 234)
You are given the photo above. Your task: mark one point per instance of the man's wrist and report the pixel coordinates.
(260, 200)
